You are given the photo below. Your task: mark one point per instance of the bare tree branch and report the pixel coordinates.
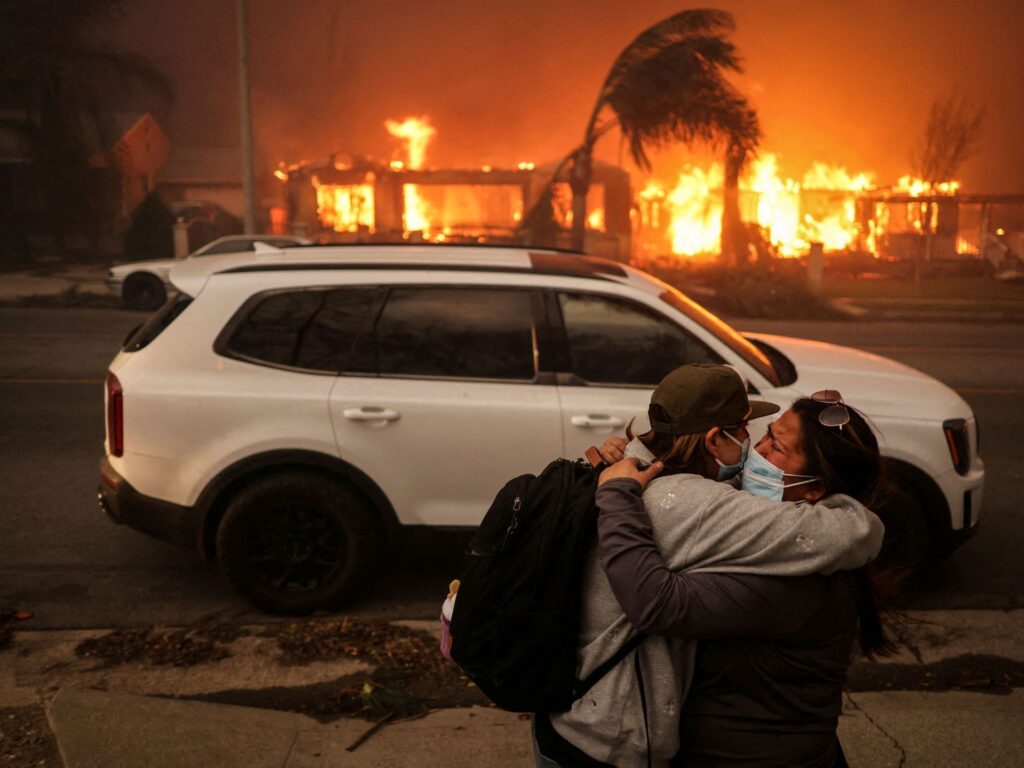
(952, 135)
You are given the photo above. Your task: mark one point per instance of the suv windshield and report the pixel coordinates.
(721, 330)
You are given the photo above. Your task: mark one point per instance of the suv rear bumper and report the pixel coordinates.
(161, 519)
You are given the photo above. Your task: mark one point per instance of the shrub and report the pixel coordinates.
(150, 234)
(777, 290)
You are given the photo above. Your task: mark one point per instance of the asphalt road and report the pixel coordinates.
(64, 561)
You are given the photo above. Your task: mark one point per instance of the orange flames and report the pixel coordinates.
(822, 207)
(826, 206)
(415, 133)
(345, 207)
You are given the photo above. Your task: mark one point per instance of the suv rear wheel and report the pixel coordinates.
(295, 541)
(143, 292)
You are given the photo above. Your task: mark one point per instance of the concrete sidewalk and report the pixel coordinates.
(84, 279)
(96, 729)
(138, 714)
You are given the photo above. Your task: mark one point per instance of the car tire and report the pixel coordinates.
(295, 542)
(905, 547)
(143, 292)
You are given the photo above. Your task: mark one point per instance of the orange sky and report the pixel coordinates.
(847, 82)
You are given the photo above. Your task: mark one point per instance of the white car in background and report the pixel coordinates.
(146, 284)
(287, 413)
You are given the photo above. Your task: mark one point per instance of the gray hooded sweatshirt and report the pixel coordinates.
(699, 525)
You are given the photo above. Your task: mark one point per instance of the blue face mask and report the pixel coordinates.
(729, 471)
(762, 478)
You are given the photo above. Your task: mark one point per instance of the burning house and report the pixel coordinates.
(843, 212)
(348, 198)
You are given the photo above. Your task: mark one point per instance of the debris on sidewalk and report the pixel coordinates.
(410, 676)
(981, 673)
(187, 647)
(369, 732)
(7, 617)
(401, 671)
(25, 738)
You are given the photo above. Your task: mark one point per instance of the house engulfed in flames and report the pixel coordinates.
(841, 211)
(344, 198)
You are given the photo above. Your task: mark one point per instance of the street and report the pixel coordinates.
(64, 561)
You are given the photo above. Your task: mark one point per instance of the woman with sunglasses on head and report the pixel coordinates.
(698, 414)
(766, 686)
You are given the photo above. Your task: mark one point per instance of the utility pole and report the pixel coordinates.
(246, 119)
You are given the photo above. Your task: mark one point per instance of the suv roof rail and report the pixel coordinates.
(540, 262)
(446, 244)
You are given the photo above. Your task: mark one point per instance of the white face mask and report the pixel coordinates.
(762, 478)
(729, 471)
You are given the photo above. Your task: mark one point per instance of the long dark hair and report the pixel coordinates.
(847, 460)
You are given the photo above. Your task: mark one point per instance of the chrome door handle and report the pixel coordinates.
(370, 413)
(592, 420)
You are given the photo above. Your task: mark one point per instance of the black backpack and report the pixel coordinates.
(516, 621)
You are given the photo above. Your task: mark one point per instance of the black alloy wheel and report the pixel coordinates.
(295, 542)
(143, 292)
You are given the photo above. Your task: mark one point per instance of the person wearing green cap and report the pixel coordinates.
(698, 417)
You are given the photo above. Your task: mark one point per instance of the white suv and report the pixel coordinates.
(286, 413)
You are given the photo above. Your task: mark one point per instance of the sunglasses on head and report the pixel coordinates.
(837, 414)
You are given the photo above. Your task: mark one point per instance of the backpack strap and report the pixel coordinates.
(582, 686)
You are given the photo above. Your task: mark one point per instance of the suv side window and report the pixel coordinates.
(477, 333)
(614, 341)
(312, 329)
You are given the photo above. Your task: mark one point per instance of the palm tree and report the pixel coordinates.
(63, 79)
(667, 85)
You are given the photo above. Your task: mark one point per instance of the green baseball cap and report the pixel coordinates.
(700, 396)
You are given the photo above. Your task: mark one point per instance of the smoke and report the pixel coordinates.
(847, 83)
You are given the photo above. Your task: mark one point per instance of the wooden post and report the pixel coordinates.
(245, 117)
(983, 231)
(815, 266)
(180, 239)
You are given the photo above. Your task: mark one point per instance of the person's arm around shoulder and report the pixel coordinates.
(658, 600)
(744, 533)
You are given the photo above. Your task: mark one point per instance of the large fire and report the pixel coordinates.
(829, 205)
(820, 208)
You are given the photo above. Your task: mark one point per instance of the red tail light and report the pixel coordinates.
(115, 415)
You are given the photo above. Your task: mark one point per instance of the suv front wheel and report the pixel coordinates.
(295, 542)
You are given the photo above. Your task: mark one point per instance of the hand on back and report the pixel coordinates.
(629, 468)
